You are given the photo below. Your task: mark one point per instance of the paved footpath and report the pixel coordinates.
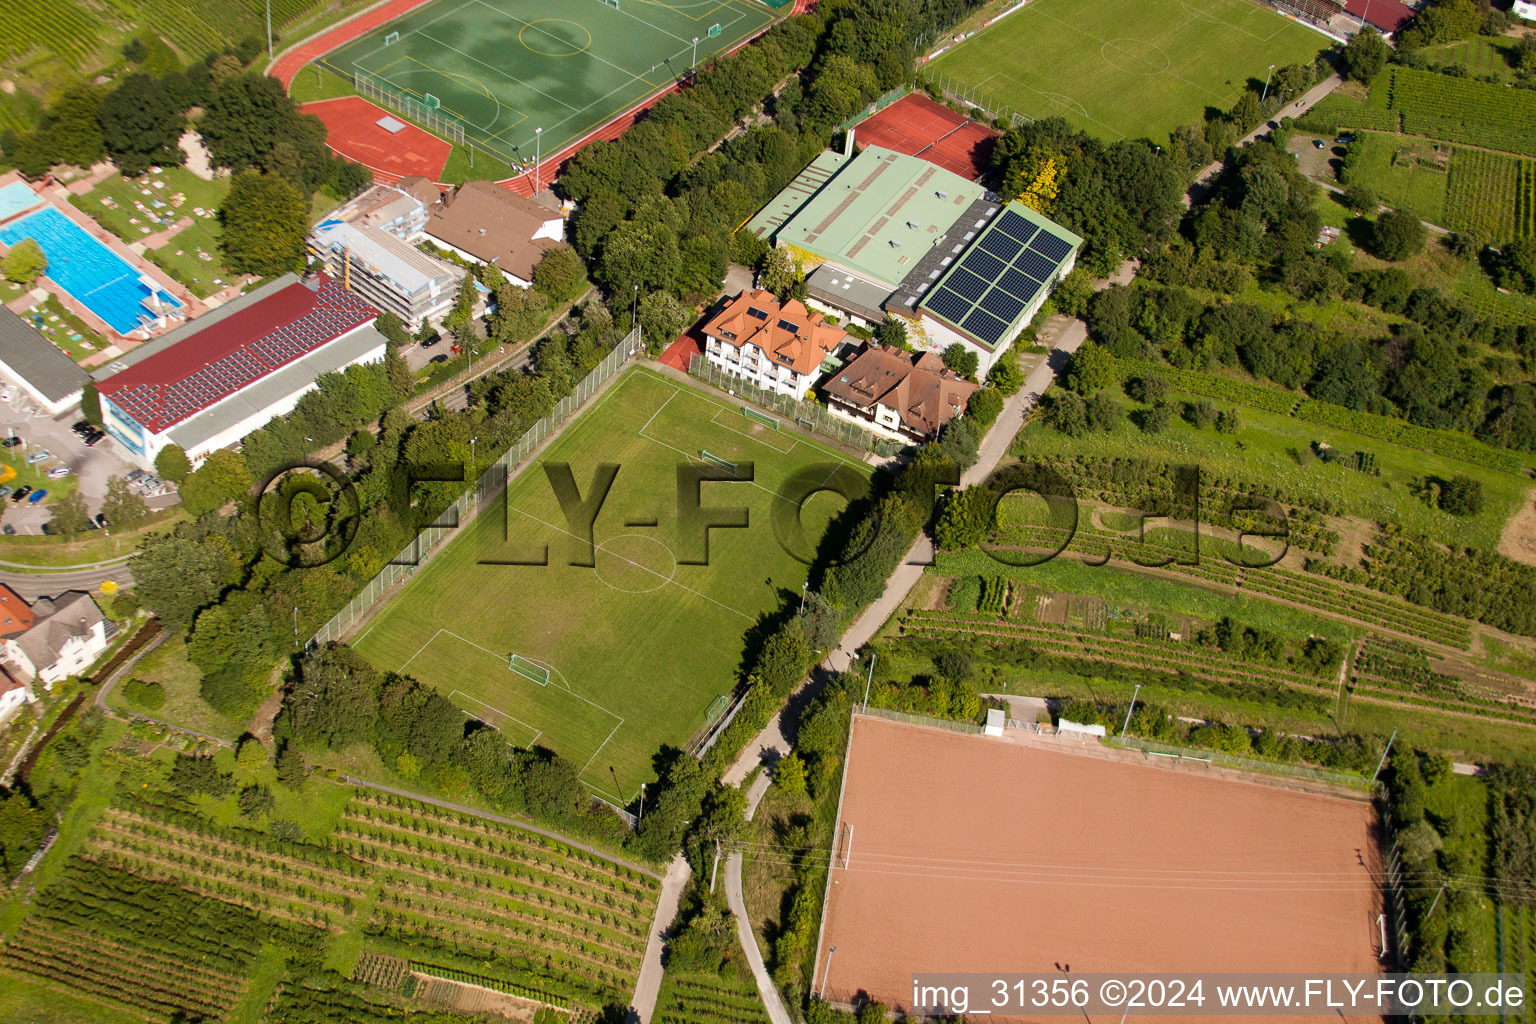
(648, 985)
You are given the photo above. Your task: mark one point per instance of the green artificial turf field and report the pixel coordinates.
(507, 67)
(639, 646)
(1127, 68)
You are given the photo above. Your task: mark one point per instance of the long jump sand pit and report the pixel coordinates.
(978, 854)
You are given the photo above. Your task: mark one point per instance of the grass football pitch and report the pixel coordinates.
(508, 67)
(639, 645)
(1127, 68)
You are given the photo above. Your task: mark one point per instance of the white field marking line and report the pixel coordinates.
(715, 419)
(695, 459)
(660, 407)
(497, 711)
(693, 393)
(599, 750)
(587, 50)
(567, 688)
(364, 633)
(516, 81)
(658, 28)
(643, 568)
(410, 32)
(407, 661)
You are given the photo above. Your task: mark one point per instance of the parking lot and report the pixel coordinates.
(91, 467)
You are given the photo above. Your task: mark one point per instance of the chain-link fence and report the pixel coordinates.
(1251, 764)
(810, 416)
(971, 96)
(933, 723)
(875, 107)
(490, 485)
(433, 118)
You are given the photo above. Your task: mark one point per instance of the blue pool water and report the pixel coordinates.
(88, 270)
(16, 197)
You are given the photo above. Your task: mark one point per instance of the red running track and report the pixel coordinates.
(351, 129)
(287, 67)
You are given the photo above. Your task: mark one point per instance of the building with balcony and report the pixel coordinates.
(776, 346)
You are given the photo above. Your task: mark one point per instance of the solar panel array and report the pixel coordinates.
(998, 277)
(160, 404)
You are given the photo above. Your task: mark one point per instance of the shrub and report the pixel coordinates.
(1398, 234)
(143, 694)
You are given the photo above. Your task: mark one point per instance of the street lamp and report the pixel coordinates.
(695, 65)
(640, 813)
(802, 597)
(824, 974)
(538, 149)
(472, 453)
(1265, 96)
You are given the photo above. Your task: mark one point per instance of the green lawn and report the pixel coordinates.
(133, 208)
(25, 1000)
(1270, 448)
(36, 475)
(68, 332)
(179, 678)
(639, 646)
(1127, 68)
(1403, 172)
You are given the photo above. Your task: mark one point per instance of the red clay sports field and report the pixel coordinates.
(978, 854)
(917, 126)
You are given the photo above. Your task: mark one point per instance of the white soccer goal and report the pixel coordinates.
(392, 38)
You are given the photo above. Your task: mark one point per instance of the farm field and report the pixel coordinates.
(1405, 173)
(1492, 193)
(699, 997)
(1271, 452)
(1126, 68)
(1155, 857)
(1480, 55)
(640, 645)
(1423, 103)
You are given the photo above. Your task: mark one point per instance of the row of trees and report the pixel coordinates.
(214, 577)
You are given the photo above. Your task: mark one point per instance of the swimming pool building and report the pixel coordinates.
(207, 384)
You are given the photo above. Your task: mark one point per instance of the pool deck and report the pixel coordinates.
(57, 196)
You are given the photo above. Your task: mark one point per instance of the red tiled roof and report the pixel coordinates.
(922, 391)
(801, 349)
(209, 365)
(15, 614)
(1387, 15)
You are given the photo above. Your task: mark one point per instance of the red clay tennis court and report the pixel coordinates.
(352, 126)
(978, 854)
(917, 126)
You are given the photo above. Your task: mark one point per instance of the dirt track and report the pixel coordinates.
(1519, 538)
(977, 854)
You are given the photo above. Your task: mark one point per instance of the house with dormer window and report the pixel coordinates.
(778, 346)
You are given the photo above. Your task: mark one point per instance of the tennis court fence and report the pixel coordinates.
(812, 417)
(924, 720)
(875, 107)
(490, 486)
(971, 96)
(1252, 764)
(432, 118)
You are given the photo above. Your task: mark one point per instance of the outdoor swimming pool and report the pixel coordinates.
(87, 269)
(15, 198)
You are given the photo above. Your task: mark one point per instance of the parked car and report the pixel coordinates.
(133, 475)
(11, 442)
(1319, 143)
(58, 472)
(41, 455)
(37, 496)
(83, 427)
(93, 437)
(8, 530)
(48, 530)
(430, 342)
(20, 492)
(100, 520)
(438, 359)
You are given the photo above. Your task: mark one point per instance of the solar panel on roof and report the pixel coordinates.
(1016, 226)
(967, 283)
(947, 304)
(1052, 247)
(1000, 245)
(1019, 286)
(1000, 304)
(984, 264)
(1035, 265)
(985, 326)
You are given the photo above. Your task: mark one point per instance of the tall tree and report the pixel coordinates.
(141, 125)
(122, 508)
(70, 516)
(265, 221)
(25, 263)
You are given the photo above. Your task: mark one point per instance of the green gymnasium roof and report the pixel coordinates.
(879, 214)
